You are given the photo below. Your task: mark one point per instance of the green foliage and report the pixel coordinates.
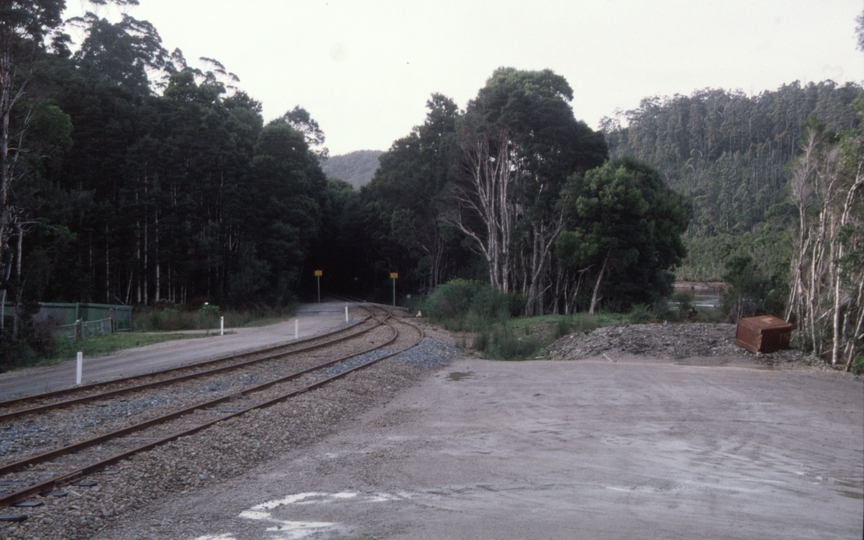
(474, 306)
(770, 248)
(624, 230)
(451, 300)
(500, 342)
(112, 343)
(727, 152)
(506, 345)
(401, 204)
(518, 142)
(208, 309)
(36, 340)
(640, 314)
(470, 305)
(857, 366)
(748, 288)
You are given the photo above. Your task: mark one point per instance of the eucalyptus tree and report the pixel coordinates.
(24, 28)
(300, 119)
(827, 278)
(111, 102)
(518, 143)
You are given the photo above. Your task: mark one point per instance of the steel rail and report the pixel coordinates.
(165, 382)
(40, 487)
(275, 351)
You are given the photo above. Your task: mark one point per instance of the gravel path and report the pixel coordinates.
(640, 447)
(431, 444)
(224, 451)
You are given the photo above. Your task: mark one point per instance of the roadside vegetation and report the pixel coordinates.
(487, 320)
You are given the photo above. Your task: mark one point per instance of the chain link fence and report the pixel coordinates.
(84, 329)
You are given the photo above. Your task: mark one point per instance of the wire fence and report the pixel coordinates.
(84, 329)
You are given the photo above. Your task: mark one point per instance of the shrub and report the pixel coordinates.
(462, 304)
(506, 346)
(563, 328)
(857, 366)
(451, 300)
(639, 314)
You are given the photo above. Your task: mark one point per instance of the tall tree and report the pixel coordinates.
(24, 27)
(287, 194)
(827, 284)
(623, 233)
(403, 199)
(519, 142)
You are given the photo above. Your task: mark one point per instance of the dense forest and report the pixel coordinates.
(131, 176)
(729, 153)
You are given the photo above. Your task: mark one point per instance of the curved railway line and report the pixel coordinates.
(169, 404)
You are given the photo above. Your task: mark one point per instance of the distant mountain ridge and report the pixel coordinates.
(356, 168)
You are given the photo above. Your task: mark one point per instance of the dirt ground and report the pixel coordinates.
(614, 446)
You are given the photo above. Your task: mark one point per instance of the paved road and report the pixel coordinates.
(565, 450)
(313, 319)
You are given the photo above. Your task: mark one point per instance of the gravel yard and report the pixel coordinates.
(635, 439)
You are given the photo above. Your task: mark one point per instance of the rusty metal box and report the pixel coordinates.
(763, 334)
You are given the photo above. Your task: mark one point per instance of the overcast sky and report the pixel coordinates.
(365, 68)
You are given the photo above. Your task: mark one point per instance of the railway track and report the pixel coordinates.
(78, 394)
(246, 386)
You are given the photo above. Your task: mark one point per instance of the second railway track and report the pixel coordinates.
(66, 444)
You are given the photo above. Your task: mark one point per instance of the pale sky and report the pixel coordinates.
(365, 68)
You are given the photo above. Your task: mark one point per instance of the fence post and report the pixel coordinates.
(78, 332)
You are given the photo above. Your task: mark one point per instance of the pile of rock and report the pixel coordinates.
(674, 341)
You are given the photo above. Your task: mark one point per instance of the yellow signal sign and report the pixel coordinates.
(319, 273)
(394, 275)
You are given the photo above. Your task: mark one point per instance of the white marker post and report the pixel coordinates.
(80, 369)
(296, 328)
(221, 326)
(346, 314)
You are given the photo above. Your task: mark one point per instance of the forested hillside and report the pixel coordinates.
(728, 153)
(356, 168)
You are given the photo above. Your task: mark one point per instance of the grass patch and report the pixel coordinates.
(112, 343)
(526, 338)
(172, 319)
